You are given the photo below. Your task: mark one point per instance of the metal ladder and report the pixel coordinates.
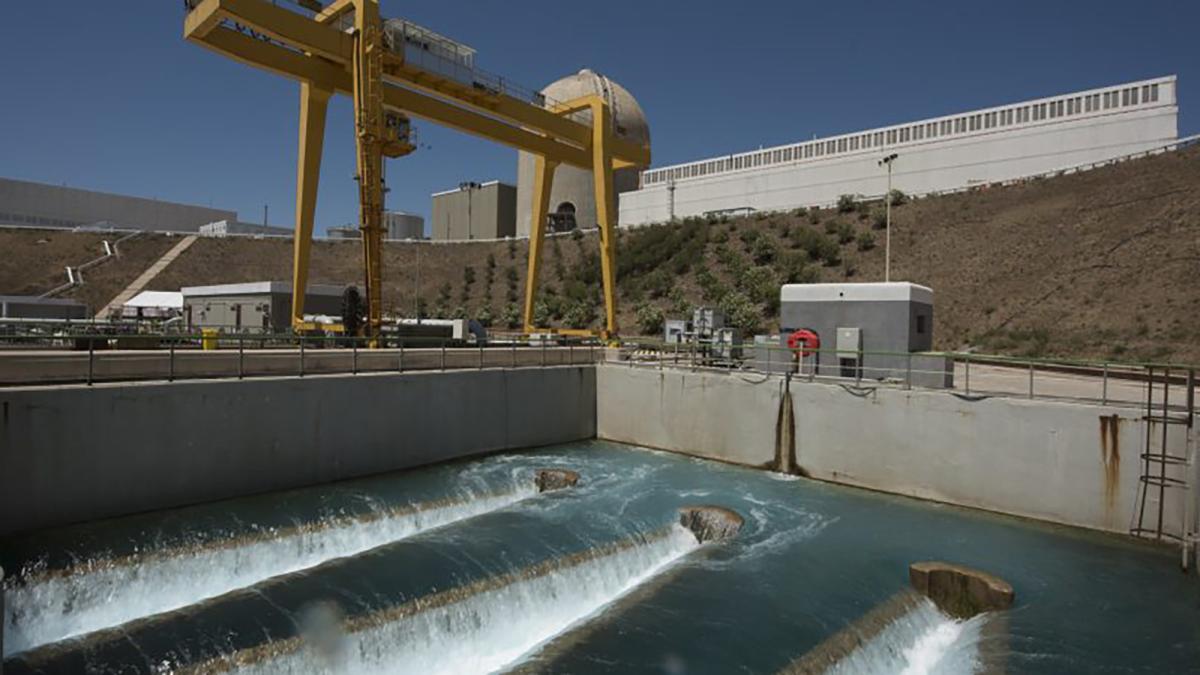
(1158, 457)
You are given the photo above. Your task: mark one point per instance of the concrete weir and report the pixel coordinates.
(960, 593)
(102, 593)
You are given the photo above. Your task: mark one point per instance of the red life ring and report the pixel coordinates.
(804, 341)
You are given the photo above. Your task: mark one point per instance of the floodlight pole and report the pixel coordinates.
(887, 255)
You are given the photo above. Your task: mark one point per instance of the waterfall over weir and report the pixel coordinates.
(50, 606)
(477, 628)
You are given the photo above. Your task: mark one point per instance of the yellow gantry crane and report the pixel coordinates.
(393, 70)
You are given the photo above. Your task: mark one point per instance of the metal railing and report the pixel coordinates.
(968, 375)
(98, 358)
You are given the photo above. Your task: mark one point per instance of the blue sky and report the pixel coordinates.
(108, 97)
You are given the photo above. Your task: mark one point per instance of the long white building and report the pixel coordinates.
(938, 154)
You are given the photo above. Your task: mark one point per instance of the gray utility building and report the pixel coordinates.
(41, 205)
(872, 330)
(475, 211)
(256, 307)
(34, 307)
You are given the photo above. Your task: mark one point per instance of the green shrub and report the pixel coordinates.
(794, 268)
(879, 218)
(814, 216)
(845, 233)
(512, 249)
(484, 316)
(579, 314)
(512, 315)
(846, 204)
(759, 283)
(649, 319)
(816, 245)
(763, 251)
(749, 236)
(866, 241)
(800, 212)
(898, 197)
(541, 313)
(741, 312)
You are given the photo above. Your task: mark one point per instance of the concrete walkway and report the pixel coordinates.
(139, 284)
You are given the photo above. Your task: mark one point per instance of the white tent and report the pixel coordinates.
(153, 304)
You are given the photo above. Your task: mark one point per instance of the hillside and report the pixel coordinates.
(1098, 264)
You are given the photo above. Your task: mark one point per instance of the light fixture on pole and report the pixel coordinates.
(887, 255)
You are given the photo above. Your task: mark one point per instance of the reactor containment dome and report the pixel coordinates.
(572, 196)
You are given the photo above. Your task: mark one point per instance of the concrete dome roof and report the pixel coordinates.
(628, 117)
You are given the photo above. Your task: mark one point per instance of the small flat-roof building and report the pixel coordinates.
(867, 330)
(475, 211)
(255, 307)
(34, 307)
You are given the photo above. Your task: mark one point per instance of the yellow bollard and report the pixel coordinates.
(208, 339)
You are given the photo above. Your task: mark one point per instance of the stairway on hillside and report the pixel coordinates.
(140, 283)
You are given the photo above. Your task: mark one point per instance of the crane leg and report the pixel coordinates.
(602, 171)
(314, 103)
(543, 180)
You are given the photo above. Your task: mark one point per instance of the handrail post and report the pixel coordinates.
(400, 366)
(571, 353)
(481, 356)
(171, 361)
(301, 356)
(1031, 379)
(241, 357)
(543, 353)
(967, 372)
(354, 355)
(443, 353)
(1104, 386)
(91, 359)
(908, 372)
(514, 354)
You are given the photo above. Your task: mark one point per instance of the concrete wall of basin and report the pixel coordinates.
(1063, 462)
(70, 454)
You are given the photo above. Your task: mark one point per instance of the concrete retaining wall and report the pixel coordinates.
(1069, 463)
(70, 454)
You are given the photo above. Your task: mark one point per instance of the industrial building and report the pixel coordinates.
(41, 205)
(35, 307)
(257, 307)
(225, 228)
(938, 154)
(572, 195)
(475, 211)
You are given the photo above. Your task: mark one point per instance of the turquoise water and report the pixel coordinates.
(589, 580)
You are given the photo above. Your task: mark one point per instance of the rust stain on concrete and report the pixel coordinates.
(1110, 456)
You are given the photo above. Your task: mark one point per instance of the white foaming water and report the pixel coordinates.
(923, 642)
(493, 629)
(52, 608)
